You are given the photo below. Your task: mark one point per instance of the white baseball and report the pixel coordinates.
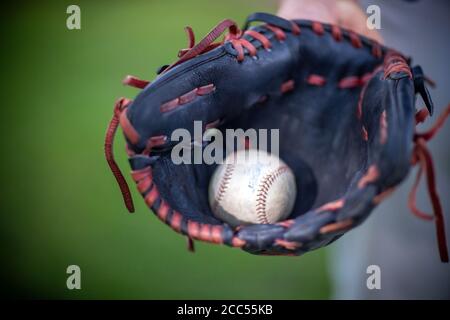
(252, 186)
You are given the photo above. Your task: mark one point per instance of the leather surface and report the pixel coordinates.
(320, 133)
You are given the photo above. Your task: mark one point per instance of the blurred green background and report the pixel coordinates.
(60, 203)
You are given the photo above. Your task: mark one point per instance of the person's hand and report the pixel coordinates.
(345, 13)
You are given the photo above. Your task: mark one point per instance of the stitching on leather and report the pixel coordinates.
(331, 206)
(264, 187)
(354, 38)
(364, 134)
(395, 62)
(152, 142)
(318, 28)
(369, 76)
(224, 183)
(336, 227)
(383, 127)
(348, 82)
(316, 80)
(287, 86)
(290, 245)
(186, 98)
(370, 176)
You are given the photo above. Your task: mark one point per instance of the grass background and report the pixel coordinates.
(59, 201)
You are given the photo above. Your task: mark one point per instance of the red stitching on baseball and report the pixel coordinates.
(224, 182)
(263, 191)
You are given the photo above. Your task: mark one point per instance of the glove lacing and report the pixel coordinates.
(422, 157)
(421, 154)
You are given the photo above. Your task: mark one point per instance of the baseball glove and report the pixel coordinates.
(345, 109)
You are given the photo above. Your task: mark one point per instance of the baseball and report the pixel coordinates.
(252, 186)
